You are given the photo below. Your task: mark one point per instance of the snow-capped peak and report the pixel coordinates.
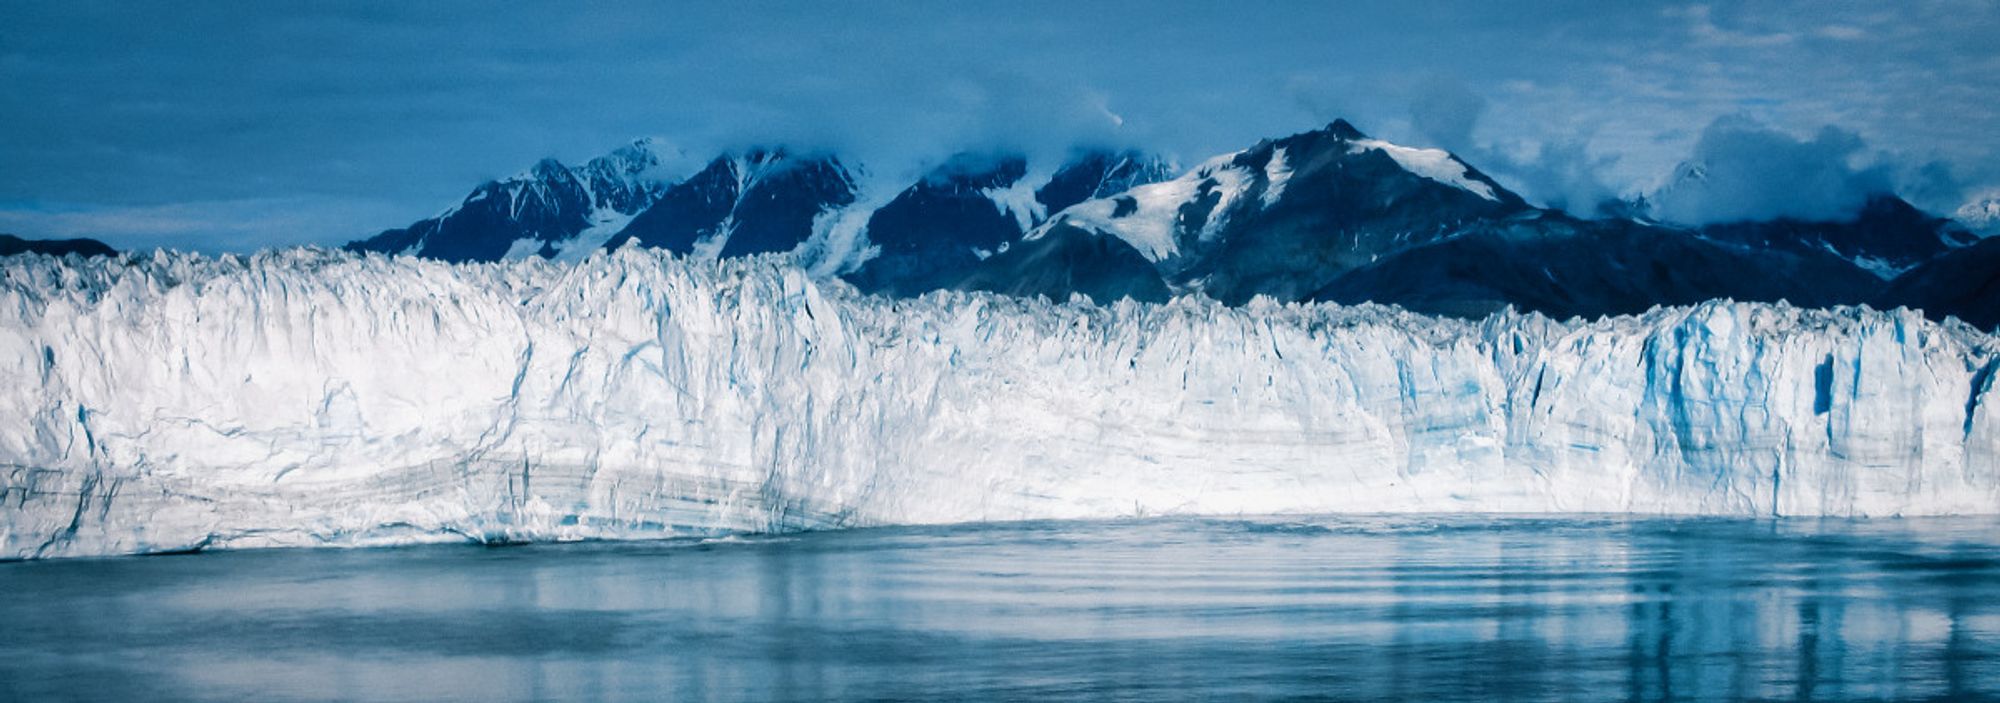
(1343, 129)
(1160, 219)
(1981, 214)
(547, 169)
(647, 157)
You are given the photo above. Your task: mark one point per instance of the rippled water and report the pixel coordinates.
(1349, 608)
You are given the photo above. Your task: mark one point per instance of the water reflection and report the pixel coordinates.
(1352, 608)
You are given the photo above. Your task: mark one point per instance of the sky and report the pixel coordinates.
(233, 126)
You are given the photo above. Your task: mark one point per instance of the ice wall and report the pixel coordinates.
(173, 402)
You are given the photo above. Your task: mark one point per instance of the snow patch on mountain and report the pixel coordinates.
(604, 225)
(1276, 174)
(171, 402)
(710, 247)
(1436, 164)
(1148, 216)
(1876, 266)
(522, 248)
(1017, 200)
(839, 241)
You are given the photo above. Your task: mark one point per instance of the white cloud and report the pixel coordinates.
(1744, 170)
(217, 106)
(1701, 23)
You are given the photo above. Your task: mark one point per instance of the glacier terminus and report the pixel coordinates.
(171, 402)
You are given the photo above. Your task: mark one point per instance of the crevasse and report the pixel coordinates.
(172, 402)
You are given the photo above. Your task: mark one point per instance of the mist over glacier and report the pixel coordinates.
(301, 397)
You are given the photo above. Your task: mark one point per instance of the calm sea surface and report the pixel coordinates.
(1367, 608)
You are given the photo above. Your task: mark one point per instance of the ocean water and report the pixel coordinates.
(1347, 608)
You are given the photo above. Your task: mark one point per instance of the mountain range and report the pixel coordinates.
(11, 244)
(1330, 214)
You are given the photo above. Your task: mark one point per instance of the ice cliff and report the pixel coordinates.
(173, 402)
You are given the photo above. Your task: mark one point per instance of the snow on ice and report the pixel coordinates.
(303, 397)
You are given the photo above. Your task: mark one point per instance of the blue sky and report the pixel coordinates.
(229, 126)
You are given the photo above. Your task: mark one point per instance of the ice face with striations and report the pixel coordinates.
(303, 397)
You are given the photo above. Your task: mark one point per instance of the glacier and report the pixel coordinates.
(171, 402)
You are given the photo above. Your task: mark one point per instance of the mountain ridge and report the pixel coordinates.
(11, 244)
(1325, 214)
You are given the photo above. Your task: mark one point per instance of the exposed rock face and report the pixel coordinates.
(756, 203)
(1963, 283)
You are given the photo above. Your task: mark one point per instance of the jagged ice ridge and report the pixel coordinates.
(303, 397)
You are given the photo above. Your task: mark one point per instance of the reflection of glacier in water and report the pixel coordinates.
(1397, 608)
(174, 402)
